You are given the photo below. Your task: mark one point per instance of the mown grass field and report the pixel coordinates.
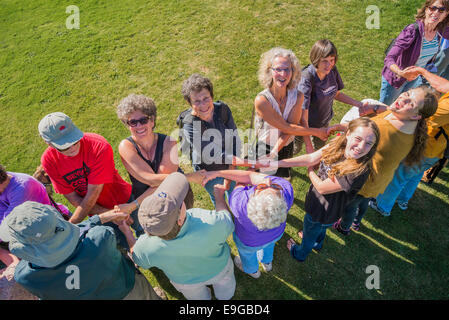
(151, 46)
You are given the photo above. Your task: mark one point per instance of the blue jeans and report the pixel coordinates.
(388, 93)
(120, 237)
(404, 183)
(251, 256)
(354, 212)
(313, 235)
(210, 188)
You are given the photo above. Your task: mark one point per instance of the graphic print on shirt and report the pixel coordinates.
(78, 179)
(330, 90)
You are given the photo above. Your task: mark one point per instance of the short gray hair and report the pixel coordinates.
(135, 102)
(266, 62)
(266, 211)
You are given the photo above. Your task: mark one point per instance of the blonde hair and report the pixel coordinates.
(266, 62)
(334, 154)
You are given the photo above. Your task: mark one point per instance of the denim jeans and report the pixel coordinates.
(388, 93)
(404, 183)
(354, 212)
(210, 188)
(251, 256)
(313, 235)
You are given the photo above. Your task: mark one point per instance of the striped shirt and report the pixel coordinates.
(428, 50)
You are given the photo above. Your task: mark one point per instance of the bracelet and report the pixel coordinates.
(137, 203)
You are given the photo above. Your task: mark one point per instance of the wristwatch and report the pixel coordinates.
(375, 108)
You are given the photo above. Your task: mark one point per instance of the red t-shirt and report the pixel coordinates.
(94, 164)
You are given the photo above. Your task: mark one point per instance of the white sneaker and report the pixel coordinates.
(267, 267)
(238, 264)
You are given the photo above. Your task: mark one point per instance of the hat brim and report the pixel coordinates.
(53, 252)
(68, 140)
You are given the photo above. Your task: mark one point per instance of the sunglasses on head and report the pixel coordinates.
(440, 9)
(135, 122)
(263, 186)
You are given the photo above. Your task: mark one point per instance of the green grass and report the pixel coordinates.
(150, 47)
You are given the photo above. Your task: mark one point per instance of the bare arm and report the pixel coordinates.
(87, 204)
(340, 96)
(305, 123)
(266, 112)
(306, 160)
(140, 170)
(440, 84)
(327, 186)
(220, 203)
(239, 176)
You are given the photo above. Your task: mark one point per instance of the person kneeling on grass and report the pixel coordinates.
(344, 167)
(260, 204)
(65, 261)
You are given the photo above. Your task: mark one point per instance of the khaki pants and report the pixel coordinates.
(142, 290)
(223, 284)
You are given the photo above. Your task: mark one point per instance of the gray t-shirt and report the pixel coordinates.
(319, 95)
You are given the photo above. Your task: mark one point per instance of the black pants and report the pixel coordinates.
(285, 153)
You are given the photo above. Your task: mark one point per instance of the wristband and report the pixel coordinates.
(137, 203)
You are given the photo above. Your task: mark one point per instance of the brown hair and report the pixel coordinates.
(322, 49)
(421, 15)
(334, 153)
(429, 107)
(196, 83)
(135, 102)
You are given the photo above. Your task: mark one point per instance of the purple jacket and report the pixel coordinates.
(405, 52)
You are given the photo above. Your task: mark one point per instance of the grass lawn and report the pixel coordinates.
(151, 46)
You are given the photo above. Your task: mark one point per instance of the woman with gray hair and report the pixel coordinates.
(278, 107)
(260, 204)
(149, 157)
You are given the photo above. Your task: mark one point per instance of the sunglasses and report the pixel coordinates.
(435, 8)
(135, 122)
(263, 186)
(66, 149)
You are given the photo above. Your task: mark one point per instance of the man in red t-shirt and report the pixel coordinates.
(81, 167)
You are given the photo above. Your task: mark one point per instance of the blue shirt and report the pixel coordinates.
(198, 253)
(104, 273)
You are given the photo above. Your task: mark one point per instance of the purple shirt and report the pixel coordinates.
(246, 231)
(405, 52)
(21, 188)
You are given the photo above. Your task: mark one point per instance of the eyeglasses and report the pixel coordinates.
(263, 186)
(201, 102)
(435, 8)
(135, 122)
(279, 70)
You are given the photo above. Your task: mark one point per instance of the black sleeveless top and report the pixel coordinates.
(138, 187)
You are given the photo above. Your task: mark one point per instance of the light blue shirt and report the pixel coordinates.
(198, 253)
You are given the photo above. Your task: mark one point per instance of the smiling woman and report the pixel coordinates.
(417, 45)
(149, 157)
(278, 107)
